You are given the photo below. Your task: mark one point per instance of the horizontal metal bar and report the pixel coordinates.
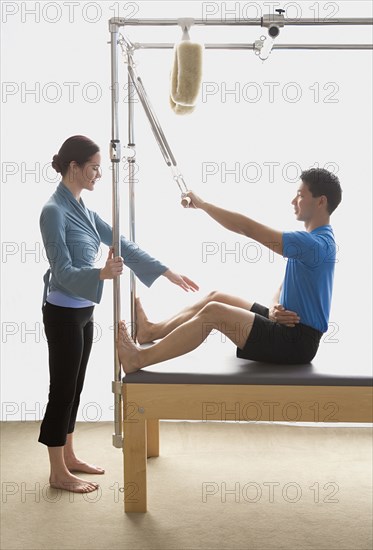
(122, 21)
(323, 47)
(243, 46)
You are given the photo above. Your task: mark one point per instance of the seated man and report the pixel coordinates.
(287, 333)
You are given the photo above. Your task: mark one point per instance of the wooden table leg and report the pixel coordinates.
(152, 436)
(134, 455)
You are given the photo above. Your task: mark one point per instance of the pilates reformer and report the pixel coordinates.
(191, 390)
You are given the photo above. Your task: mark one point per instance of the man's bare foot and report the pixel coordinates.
(74, 484)
(76, 465)
(144, 332)
(128, 352)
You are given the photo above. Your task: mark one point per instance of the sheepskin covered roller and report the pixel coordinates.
(186, 73)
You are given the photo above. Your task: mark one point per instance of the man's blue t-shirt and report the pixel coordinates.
(308, 283)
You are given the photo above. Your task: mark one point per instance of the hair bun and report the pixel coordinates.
(56, 163)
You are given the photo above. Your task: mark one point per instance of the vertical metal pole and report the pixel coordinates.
(115, 159)
(131, 192)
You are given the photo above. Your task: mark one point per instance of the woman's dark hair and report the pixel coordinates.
(78, 148)
(321, 182)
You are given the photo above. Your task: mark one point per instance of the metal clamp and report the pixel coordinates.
(258, 45)
(117, 441)
(125, 42)
(116, 22)
(186, 22)
(116, 387)
(129, 153)
(265, 47)
(273, 22)
(115, 150)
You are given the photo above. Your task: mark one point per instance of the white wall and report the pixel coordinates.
(67, 64)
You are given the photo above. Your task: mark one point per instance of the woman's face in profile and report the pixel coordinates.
(90, 172)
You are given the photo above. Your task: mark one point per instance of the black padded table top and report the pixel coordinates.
(217, 364)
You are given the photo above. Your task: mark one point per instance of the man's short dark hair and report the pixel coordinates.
(321, 182)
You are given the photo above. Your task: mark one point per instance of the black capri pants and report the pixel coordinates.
(273, 342)
(69, 332)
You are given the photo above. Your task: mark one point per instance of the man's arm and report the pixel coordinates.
(241, 224)
(276, 297)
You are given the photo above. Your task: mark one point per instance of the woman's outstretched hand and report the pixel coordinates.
(181, 280)
(113, 267)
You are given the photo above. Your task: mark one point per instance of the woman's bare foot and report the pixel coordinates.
(128, 352)
(76, 465)
(144, 332)
(74, 484)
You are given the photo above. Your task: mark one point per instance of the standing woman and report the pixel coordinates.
(72, 235)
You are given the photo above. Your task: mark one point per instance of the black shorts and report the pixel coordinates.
(271, 342)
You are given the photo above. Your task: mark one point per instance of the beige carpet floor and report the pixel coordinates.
(215, 486)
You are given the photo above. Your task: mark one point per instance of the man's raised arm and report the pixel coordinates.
(241, 224)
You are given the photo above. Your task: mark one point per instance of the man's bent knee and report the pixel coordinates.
(211, 310)
(217, 296)
(211, 296)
